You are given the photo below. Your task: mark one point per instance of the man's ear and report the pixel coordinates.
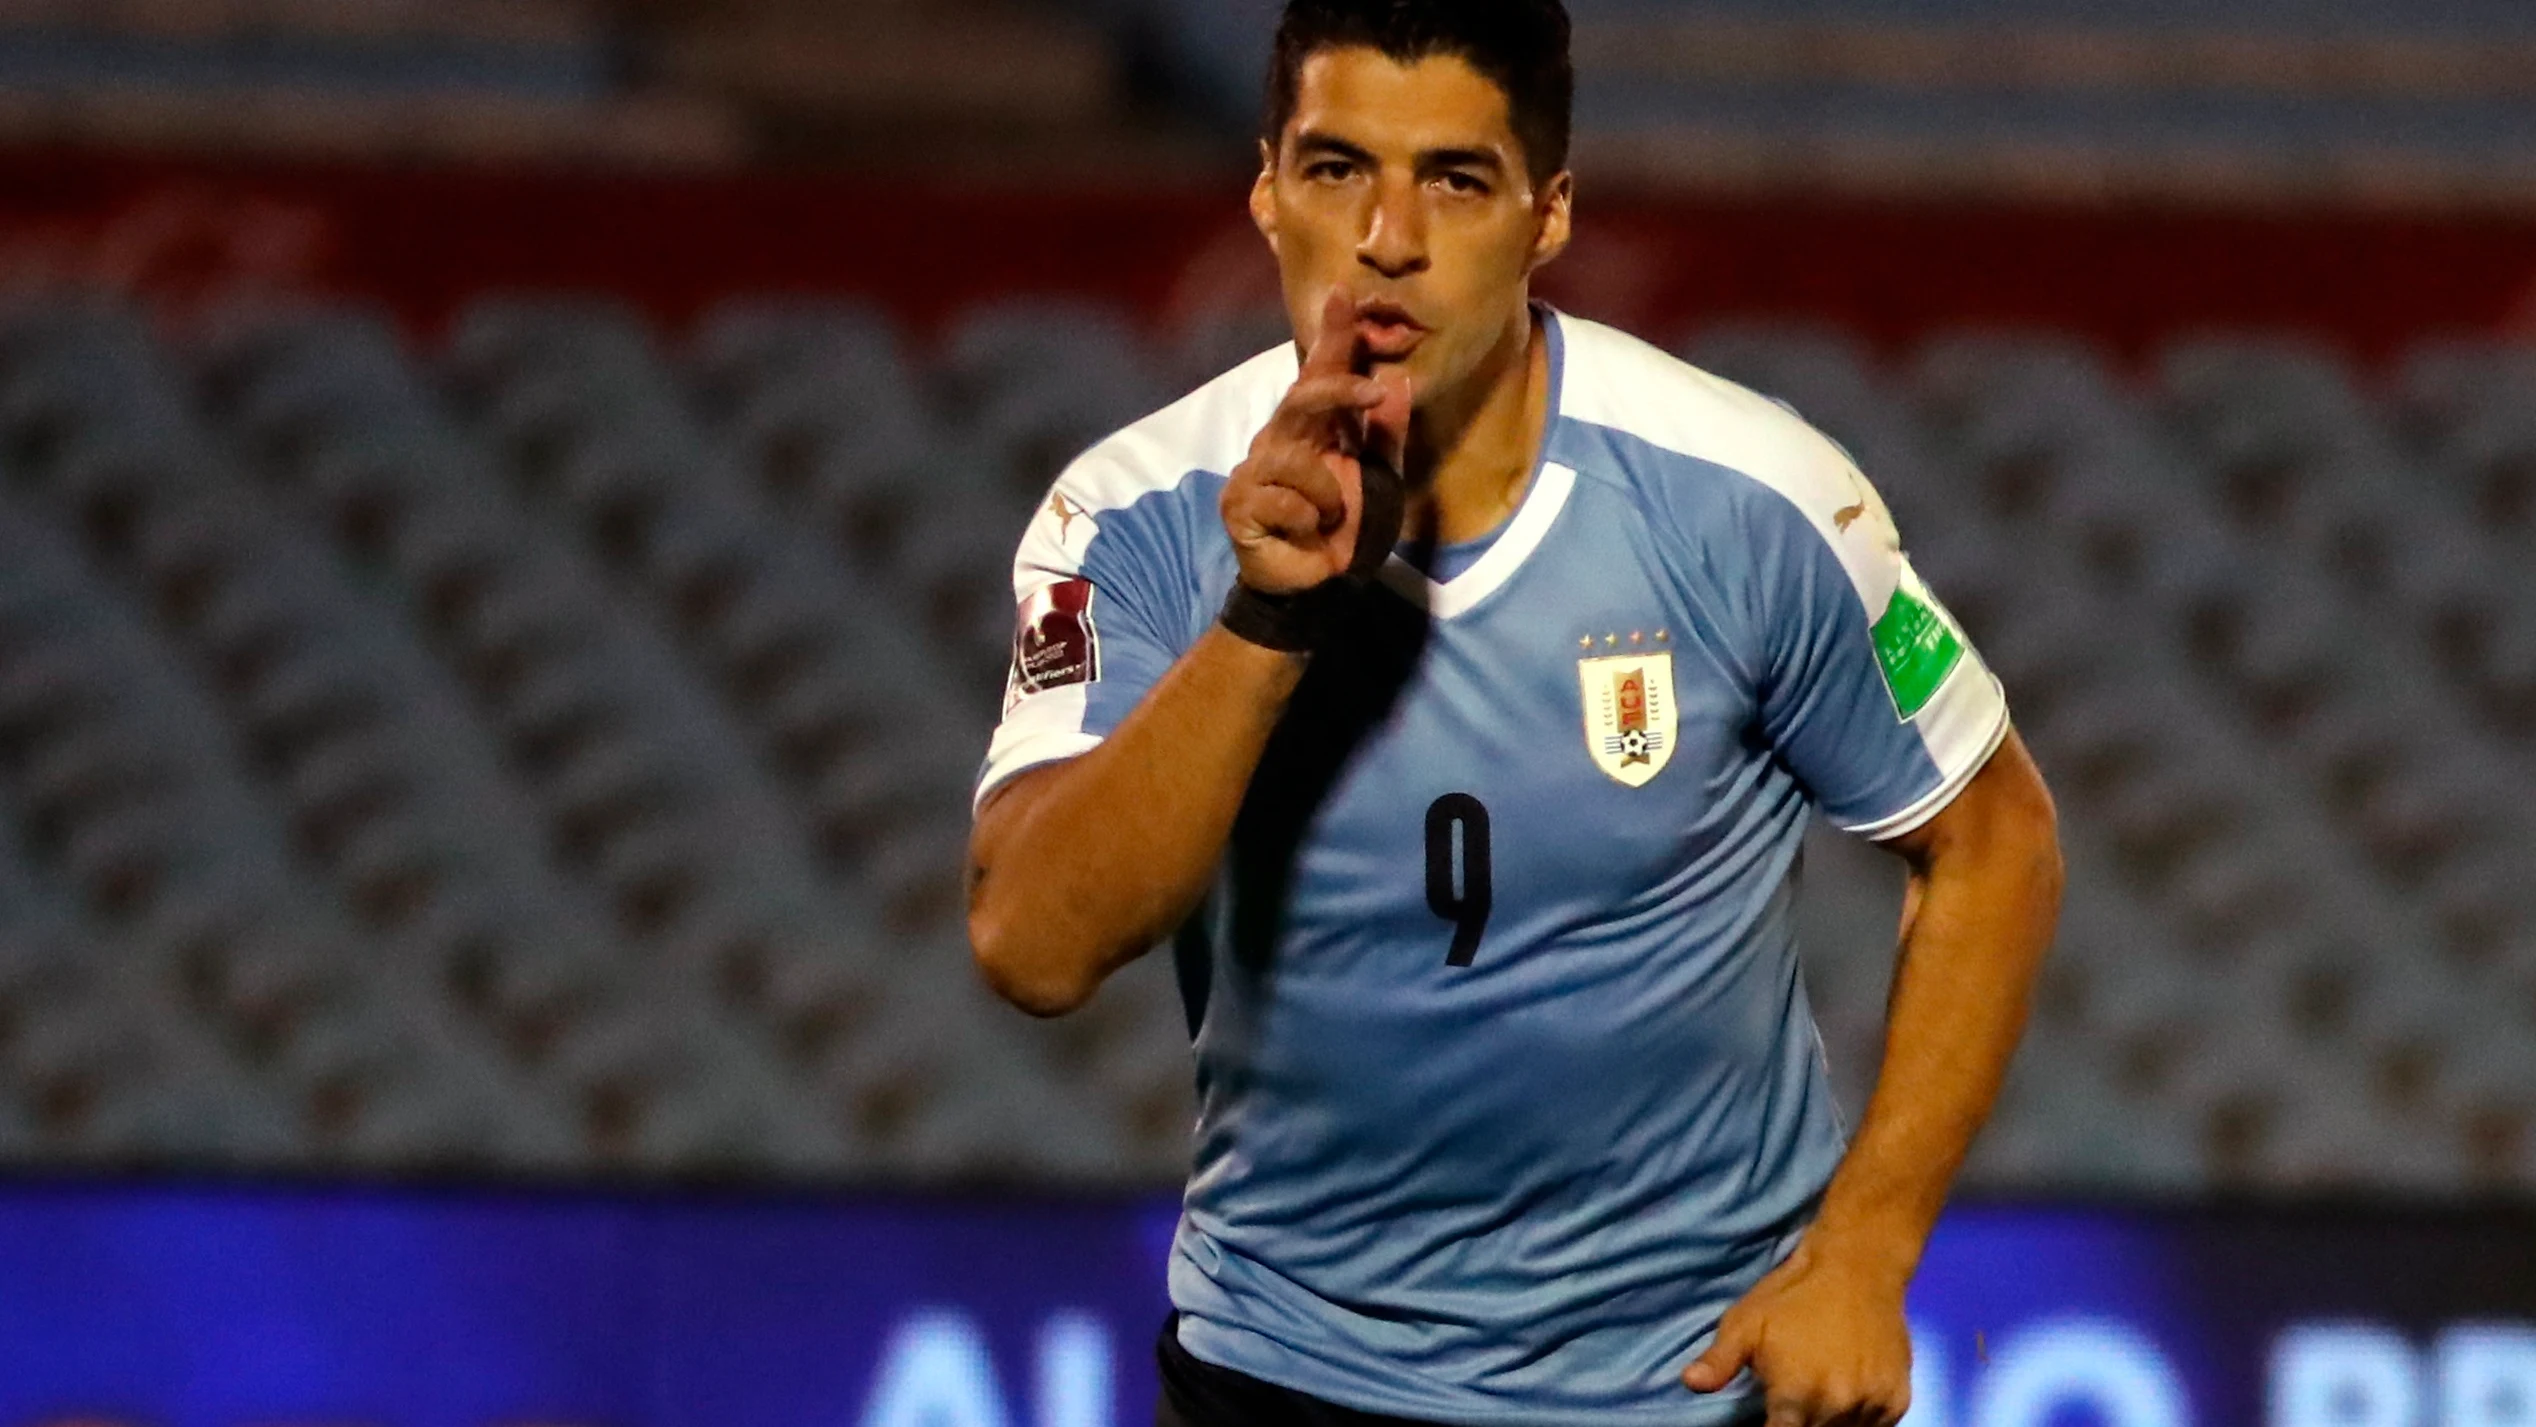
(1557, 203)
(1263, 196)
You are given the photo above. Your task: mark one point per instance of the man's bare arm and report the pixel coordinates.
(1978, 916)
(1078, 867)
(1825, 1330)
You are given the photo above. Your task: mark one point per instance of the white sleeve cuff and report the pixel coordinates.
(1004, 765)
(1950, 783)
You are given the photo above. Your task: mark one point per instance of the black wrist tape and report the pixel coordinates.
(1294, 623)
(1291, 623)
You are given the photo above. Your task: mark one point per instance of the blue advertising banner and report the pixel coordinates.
(345, 1307)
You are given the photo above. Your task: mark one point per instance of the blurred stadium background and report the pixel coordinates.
(504, 510)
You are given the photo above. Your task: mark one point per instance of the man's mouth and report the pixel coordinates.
(1387, 332)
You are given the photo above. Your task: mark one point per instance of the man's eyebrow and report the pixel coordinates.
(1315, 141)
(1461, 158)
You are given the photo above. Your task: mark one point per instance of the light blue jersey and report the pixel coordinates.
(1507, 1083)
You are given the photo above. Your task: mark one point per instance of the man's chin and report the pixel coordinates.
(1430, 374)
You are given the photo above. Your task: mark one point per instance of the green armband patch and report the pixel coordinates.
(1917, 646)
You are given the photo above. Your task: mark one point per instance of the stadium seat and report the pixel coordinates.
(805, 390)
(1040, 381)
(1213, 342)
(750, 346)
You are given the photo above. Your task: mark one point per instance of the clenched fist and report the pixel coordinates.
(1296, 506)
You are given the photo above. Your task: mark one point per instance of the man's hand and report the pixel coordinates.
(1826, 1338)
(1294, 506)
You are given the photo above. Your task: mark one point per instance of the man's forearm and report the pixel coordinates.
(1984, 897)
(1078, 868)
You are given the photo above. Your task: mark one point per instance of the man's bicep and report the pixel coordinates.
(1004, 806)
(2004, 798)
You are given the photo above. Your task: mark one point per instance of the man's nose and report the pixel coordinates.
(1395, 233)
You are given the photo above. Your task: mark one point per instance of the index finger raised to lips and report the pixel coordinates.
(1333, 348)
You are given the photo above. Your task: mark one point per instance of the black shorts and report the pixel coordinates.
(1200, 1394)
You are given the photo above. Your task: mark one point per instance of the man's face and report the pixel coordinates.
(1405, 187)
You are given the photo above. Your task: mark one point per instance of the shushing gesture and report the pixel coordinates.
(1295, 506)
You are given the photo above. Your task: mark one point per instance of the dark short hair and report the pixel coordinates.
(1521, 46)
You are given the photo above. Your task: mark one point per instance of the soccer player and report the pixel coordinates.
(1479, 871)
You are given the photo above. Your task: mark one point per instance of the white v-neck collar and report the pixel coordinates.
(1551, 485)
(1444, 599)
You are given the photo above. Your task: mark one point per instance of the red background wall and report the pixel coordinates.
(424, 241)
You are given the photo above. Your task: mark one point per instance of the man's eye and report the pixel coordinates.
(1465, 183)
(1331, 170)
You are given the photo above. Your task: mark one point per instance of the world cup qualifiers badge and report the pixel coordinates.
(1055, 643)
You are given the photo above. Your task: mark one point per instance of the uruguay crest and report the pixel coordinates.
(1629, 718)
